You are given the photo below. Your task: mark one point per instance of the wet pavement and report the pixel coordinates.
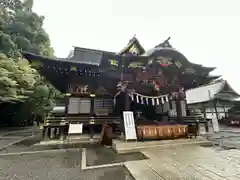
(57, 165)
(8, 138)
(189, 162)
(65, 161)
(100, 155)
(39, 162)
(226, 139)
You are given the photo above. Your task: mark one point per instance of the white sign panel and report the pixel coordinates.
(129, 125)
(73, 105)
(75, 128)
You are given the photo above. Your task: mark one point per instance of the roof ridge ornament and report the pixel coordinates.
(134, 38)
(164, 44)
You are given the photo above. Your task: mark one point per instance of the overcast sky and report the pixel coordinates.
(205, 31)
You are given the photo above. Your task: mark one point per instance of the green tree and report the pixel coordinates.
(21, 30)
(17, 79)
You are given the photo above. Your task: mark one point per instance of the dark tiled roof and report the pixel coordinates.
(203, 68)
(93, 50)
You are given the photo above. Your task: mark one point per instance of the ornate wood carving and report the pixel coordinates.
(81, 89)
(101, 90)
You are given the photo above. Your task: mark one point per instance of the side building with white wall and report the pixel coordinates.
(214, 99)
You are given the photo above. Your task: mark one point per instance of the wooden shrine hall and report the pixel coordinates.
(100, 85)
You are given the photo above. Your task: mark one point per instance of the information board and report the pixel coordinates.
(129, 125)
(75, 128)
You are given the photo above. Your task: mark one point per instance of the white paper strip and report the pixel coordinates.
(147, 101)
(166, 97)
(142, 102)
(132, 97)
(153, 101)
(137, 98)
(158, 101)
(162, 100)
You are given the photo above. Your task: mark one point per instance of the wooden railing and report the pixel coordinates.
(57, 127)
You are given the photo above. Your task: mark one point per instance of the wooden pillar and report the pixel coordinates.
(125, 108)
(91, 126)
(44, 133)
(66, 99)
(92, 107)
(52, 135)
(62, 136)
(205, 119)
(224, 110)
(179, 110)
(127, 102)
(91, 131)
(48, 132)
(216, 112)
(181, 98)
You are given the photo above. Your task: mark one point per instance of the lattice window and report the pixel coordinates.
(103, 106)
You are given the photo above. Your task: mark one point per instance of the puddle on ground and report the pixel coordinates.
(101, 155)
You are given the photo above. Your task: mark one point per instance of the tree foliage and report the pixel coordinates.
(21, 30)
(17, 79)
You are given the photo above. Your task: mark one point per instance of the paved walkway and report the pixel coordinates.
(188, 163)
(11, 136)
(224, 128)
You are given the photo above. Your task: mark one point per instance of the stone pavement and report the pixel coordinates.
(188, 163)
(8, 138)
(229, 129)
(229, 139)
(57, 165)
(11, 131)
(193, 162)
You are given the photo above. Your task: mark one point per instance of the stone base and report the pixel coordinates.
(121, 146)
(72, 139)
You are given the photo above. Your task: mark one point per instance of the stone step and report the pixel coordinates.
(120, 146)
